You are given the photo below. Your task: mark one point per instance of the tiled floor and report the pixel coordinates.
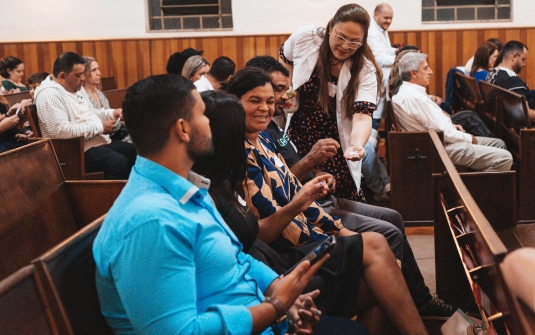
(423, 247)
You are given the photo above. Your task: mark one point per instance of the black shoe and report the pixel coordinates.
(436, 309)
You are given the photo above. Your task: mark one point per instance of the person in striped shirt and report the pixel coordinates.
(64, 111)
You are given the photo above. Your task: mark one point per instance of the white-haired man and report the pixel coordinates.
(416, 111)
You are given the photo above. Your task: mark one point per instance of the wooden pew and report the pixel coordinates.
(469, 246)
(67, 274)
(412, 161)
(70, 151)
(116, 97)
(23, 309)
(468, 92)
(514, 128)
(488, 110)
(11, 99)
(41, 209)
(108, 83)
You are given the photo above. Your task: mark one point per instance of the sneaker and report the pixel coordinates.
(436, 309)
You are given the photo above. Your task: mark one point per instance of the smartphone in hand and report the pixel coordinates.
(318, 252)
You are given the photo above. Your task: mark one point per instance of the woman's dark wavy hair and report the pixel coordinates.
(347, 13)
(481, 57)
(8, 63)
(227, 167)
(246, 80)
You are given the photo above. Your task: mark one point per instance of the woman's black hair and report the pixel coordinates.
(246, 80)
(227, 167)
(8, 63)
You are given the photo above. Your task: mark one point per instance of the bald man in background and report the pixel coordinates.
(382, 49)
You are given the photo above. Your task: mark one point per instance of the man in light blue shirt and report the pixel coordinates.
(166, 261)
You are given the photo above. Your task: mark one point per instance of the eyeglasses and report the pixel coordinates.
(353, 45)
(519, 55)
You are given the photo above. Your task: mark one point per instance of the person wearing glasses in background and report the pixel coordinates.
(333, 103)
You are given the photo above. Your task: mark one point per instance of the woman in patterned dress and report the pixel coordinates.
(337, 78)
(288, 217)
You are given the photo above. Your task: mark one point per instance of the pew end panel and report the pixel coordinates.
(413, 159)
(526, 177)
(115, 97)
(67, 272)
(91, 199)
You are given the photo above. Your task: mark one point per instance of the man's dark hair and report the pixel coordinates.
(37, 77)
(268, 64)
(222, 68)
(176, 62)
(247, 79)
(151, 108)
(513, 47)
(65, 62)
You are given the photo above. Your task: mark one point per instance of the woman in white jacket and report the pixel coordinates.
(338, 81)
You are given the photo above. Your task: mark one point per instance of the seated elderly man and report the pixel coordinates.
(416, 111)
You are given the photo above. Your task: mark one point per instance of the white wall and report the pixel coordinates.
(52, 20)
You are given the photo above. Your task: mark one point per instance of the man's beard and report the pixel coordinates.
(517, 68)
(279, 108)
(199, 147)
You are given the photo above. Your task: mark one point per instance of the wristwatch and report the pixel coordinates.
(279, 308)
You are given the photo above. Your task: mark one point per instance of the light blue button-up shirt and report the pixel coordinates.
(167, 263)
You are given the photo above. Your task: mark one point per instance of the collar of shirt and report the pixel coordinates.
(417, 87)
(511, 73)
(376, 26)
(195, 187)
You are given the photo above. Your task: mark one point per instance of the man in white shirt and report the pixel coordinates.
(416, 111)
(64, 112)
(219, 75)
(382, 49)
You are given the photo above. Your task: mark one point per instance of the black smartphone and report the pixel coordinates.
(318, 252)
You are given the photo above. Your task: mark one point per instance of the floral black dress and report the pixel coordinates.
(311, 123)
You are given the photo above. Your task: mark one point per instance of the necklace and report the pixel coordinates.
(334, 61)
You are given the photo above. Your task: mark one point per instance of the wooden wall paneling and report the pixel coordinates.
(210, 46)
(470, 43)
(248, 50)
(160, 50)
(229, 48)
(430, 45)
(131, 60)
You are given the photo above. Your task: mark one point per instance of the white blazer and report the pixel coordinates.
(302, 48)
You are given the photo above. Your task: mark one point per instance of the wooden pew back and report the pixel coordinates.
(70, 151)
(489, 107)
(23, 310)
(116, 97)
(35, 213)
(474, 241)
(526, 177)
(511, 117)
(108, 83)
(11, 99)
(468, 91)
(67, 272)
